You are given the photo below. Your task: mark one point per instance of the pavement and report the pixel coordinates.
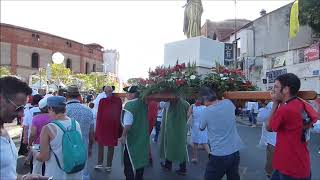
(251, 163)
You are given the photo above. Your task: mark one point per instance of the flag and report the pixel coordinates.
(294, 20)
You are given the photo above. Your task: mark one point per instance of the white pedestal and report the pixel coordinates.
(203, 51)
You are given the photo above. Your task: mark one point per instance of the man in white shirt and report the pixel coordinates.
(267, 138)
(13, 96)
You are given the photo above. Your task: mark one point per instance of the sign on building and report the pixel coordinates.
(279, 61)
(228, 51)
(312, 53)
(272, 75)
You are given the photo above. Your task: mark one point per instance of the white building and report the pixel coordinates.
(111, 62)
(266, 51)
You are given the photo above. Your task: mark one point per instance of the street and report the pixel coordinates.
(251, 163)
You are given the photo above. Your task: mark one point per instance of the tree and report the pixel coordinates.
(309, 13)
(60, 73)
(134, 81)
(4, 71)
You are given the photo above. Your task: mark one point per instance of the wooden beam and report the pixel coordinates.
(233, 95)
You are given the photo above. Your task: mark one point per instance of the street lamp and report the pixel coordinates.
(57, 58)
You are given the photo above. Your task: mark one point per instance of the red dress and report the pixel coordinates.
(108, 128)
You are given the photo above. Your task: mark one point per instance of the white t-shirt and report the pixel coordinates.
(266, 136)
(8, 159)
(28, 115)
(128, 117)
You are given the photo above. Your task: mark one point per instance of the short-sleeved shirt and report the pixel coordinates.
(8, 159)
(28, 115)
(220, 121)
(291, 156)
(39, 121)
(82, 114)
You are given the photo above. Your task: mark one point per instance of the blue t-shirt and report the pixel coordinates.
(220, 121)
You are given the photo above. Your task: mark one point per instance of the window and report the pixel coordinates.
(87, 68)
(69, 44)
(91, 51)
(94, 68)
(35, 60)
(69, 64)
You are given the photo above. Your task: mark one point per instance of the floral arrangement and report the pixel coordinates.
(183, 80)
(222, 79)
(180, 80)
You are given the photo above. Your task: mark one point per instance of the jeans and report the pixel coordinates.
(128, 171)
(158, 126)
(276, 175)
(252, 118)
(218, 166)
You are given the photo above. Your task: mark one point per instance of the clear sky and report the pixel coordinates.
(137, 29)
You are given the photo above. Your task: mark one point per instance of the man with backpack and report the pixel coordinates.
(291, 118)
(61, 145)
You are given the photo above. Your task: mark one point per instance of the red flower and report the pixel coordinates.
(180, 82)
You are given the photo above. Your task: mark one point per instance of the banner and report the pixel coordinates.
(312, 53)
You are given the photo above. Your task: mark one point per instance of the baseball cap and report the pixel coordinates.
(43, 103)
(56, 101)
(131, 89)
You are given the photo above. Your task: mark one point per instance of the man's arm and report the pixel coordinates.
(273, 111)
(32, 134)
(44, 154)
(203, 122)
(127, 121)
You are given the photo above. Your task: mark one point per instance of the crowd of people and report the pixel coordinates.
(59, 132)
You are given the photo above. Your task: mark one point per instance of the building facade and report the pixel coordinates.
(24, 51)
(266, 51)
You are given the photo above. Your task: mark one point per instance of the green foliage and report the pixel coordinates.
(223, 79)
(60, 72)
(4, 71)
(309, 13)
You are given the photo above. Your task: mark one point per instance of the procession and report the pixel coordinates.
(202, 113)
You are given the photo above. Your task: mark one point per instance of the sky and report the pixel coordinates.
(137, 29)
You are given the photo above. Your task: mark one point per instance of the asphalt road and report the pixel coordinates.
(251, 162)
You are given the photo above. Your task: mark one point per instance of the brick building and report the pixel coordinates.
(24, 51)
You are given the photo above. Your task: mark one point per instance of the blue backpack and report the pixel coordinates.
(73, 150)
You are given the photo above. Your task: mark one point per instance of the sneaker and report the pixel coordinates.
(181, 172)
(98, 167)
(253, 126)
(108, 169)
(165, 167)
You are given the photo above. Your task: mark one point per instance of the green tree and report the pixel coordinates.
(4, 71)
(309, 13)
(133, 81)
(60, 73)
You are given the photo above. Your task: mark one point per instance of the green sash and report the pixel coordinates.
(173, 134)
(138, 137)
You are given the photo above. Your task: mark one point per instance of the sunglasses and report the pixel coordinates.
(18, 108)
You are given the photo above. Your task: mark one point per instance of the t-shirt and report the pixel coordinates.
(39, 121)
(291, 156)
(8, 159)
(220, 121)
(28, 115)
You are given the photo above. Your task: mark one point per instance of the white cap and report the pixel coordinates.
(43, 103)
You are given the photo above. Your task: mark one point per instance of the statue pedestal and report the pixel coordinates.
(203, 51)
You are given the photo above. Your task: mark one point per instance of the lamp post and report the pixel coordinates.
(57, 58)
